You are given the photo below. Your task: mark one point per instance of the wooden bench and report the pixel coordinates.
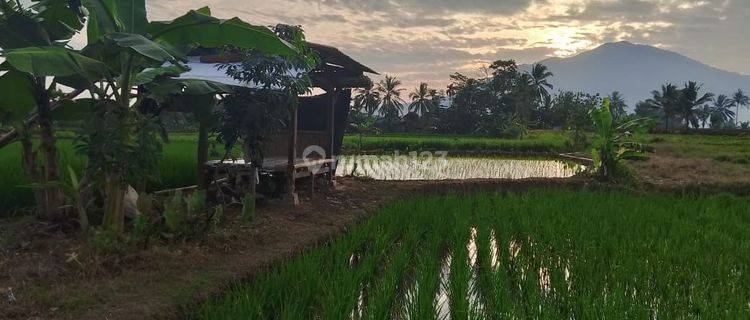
(238, 172)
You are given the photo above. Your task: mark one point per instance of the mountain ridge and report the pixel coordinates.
(637, 69)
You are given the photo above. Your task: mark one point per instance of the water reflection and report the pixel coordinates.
(460, 278)
(451, 168)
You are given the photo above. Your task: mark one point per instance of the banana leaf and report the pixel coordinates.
(162, 89)
(74, 110)
(58, 19)
(142, 46)
(16, 97)
(132, 14)
(54, 61)
(102, 19)
(199, 28)
(22, 30)
(148, 75)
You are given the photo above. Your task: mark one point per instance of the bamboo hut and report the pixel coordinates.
(308, 148)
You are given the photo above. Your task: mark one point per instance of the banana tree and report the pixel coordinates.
(611, 144)
(32, 43)
(131, 53)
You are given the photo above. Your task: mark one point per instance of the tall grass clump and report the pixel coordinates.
(540, 254)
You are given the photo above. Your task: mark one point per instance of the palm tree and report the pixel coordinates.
(740, 100)
(420, 100)
(666, 101)
(436, 99)
(391, 104)
(367, 100)
(539, 80)
(722, 110)
(689, 101)
(617, 105)
(703, 114)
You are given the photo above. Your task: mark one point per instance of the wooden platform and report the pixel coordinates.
(302, 167)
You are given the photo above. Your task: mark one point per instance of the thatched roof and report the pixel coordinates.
(334, 57)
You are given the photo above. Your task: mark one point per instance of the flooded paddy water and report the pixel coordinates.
(395, 167)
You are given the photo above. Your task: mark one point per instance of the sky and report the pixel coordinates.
(427, 40)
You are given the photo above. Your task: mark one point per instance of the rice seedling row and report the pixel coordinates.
(541, 254)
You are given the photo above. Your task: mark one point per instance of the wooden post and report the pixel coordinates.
(332, 131)
(202, 157)
(292, 156)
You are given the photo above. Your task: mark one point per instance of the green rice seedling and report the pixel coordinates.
(423, 300)
(539, 254)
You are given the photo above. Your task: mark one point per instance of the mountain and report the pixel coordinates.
(635, 70)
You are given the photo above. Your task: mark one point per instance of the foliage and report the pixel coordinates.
(124, 52)
(689, 101)
(611, 144)
(721, 112)
(175, 215)
(181, 212)
(541, 254)
(253, 116)
(571, 109)
(367, 100)
(391, 103)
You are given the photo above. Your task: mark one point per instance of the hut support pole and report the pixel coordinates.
(202, 157)
(291, 156)
(332, 133)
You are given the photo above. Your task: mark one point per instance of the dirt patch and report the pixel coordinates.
(664, 169)
(43, 277)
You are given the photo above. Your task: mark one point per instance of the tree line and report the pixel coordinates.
(507, 101)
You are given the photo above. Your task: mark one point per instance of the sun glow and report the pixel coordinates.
(566, 41)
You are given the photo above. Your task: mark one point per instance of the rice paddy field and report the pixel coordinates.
(179, 155)
(540, 254)
(536, 142)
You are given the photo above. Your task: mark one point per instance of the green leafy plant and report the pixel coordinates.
(174, 213)
(124, 52)
(611, 144)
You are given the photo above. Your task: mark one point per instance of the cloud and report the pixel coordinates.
(426, 40)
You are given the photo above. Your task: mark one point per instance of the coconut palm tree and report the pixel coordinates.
(540, 75)
(722, 110)
(666, 101)
(703, 114)
(617, 105)
(436, 99)
(420, 100)
(391, 104)
(688, 102)
(740, 100)
(367, 100)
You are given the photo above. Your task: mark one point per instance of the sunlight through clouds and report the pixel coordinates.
(426, 40)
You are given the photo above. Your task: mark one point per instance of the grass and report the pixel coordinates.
(732, 149)
(537, 142)
(542, 254)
